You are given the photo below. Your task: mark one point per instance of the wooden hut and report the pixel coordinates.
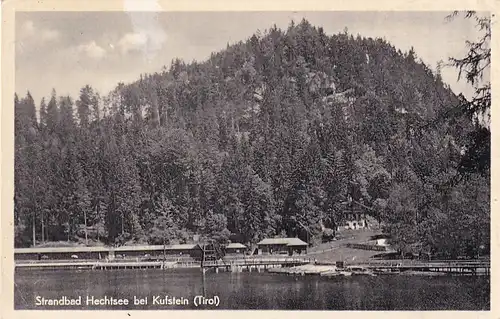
(283, 246)
(235, 249)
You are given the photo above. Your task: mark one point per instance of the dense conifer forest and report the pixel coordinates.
(270, 136)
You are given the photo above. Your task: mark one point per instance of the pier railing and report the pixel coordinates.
(430, 263)
(189, 262)
(89, 264)
(252, 261)
(445, 266)
(115, 260)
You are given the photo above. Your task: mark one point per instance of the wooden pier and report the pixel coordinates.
(104, 265)
(256, 263)
(233, 264)
(465, 267)
(261, 263)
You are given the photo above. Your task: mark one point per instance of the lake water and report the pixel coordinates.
(249, 290)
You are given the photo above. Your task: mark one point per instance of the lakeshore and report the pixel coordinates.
(251, 290)
(353, 248)
(290, 266)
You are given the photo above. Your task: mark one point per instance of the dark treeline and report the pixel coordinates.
(269, 137)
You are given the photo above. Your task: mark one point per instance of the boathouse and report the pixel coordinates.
(191, 250)
(101, 252)
(288, 246)
(235, 249)
(188, 250)
(60, 253)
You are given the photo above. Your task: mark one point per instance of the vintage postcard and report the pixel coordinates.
(161, 156)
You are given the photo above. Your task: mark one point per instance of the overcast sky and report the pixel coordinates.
(66, 50)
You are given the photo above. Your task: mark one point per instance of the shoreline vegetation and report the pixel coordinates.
(322, 260)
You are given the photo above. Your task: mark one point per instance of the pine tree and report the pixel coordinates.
(43, 113)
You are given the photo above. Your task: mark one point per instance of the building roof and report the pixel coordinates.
(156, 247)
(182, 246)
(84, 249)
(296, 242)
(138, 248)
(273, 241)
(236, 246)
(45, 250)
(282, 241)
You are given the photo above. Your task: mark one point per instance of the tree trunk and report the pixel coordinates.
(43, 228)
(85, 222)
(202, 256)
(164, 250)
(98, 219)
(34, 231)
(69, 227)
(47, 224)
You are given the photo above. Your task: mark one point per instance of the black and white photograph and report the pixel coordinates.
(251, 160)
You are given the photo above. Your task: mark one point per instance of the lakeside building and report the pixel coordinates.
(355, 220)
(189, 250)
(34, 253)
(102, 252)
(355, 215)
(235, 249)
(289, 246)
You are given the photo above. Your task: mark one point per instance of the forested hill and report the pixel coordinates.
(270, 136)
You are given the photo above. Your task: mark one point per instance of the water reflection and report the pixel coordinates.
(257, 290)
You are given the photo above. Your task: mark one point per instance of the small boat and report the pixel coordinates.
(361, 271)
(345, 273)
(331, 274)
(383, 272)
